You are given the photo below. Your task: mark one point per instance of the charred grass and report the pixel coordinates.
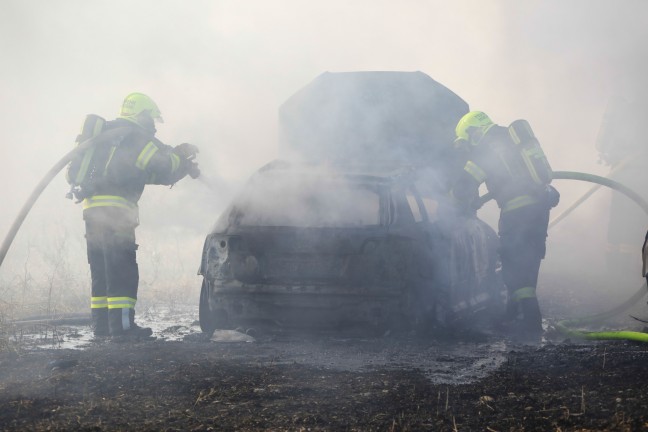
(205, 386)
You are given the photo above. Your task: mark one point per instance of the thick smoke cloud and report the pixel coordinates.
(220, 70)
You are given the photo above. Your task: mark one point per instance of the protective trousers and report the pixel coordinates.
(523, 235)
(110, 237)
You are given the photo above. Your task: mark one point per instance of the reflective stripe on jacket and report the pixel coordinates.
(137, 160)
(130, 209)
(519, 202)
(498, 163)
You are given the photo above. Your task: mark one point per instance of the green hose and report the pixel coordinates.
(563, 326)
(610, 335)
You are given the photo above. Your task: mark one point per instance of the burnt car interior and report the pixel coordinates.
(335, 247)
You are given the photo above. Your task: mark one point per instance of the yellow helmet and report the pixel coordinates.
(136, 103)
(474, 119)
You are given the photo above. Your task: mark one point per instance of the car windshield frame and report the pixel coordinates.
(338, 189)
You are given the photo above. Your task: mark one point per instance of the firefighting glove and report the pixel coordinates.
(193, 170)
(186, 151)
(553, 196)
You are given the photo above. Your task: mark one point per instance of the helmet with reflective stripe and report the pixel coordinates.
(469, 123)
(138, 103)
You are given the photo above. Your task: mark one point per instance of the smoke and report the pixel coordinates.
(305, 196)
(220, 70)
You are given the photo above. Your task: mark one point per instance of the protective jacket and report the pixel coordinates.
(497, 162)
(131, 162)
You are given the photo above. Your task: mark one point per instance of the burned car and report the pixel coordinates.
(352, 225)
(339, 245)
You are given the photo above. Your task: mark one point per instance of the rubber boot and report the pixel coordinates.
(100, 322)
(531, 325)
(121, 323)
(135, 329)
(512, 310)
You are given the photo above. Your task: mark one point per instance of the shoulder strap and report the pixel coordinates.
(93, 125)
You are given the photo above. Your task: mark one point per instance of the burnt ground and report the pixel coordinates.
(57, 378)
(294, 382)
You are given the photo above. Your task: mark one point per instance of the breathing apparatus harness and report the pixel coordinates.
(83, 172)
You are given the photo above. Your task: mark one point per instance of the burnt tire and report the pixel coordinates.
(206, 316)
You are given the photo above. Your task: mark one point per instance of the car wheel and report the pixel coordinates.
(205, 314)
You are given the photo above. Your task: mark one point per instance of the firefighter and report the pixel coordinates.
(117, 175)
(516, 173)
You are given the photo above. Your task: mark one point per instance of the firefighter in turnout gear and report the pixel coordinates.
(109, 179)
(511, 163)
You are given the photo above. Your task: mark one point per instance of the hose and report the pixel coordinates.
(563, 326)
(83, 146)
(604, 181)
(592, 178)
(574, 205)
(590, 192)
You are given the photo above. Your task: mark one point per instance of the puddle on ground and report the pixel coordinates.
(441, 362)
(167, 323)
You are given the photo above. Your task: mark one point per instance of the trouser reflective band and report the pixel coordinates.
(521, 201)
(523, 293)
(121, 302)
(98, 302)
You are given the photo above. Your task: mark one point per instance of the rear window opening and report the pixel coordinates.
(306, 203)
